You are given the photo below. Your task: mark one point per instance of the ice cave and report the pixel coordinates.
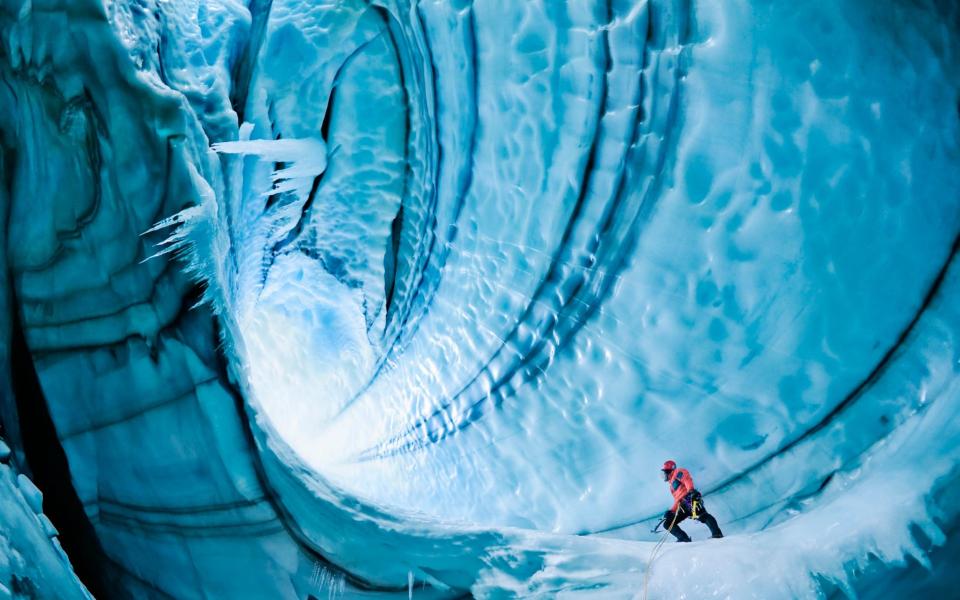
(321, 299)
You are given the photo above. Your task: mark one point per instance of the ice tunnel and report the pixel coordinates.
(413, 298)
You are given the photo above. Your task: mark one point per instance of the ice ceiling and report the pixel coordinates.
(380, 298)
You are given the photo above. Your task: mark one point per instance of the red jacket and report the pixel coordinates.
(681, 484)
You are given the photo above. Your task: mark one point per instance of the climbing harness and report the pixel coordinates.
(696, 505)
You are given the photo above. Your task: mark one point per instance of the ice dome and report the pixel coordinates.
(315, 299)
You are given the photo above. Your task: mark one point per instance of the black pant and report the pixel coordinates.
(683, 511)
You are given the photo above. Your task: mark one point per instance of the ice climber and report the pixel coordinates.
(687, 502)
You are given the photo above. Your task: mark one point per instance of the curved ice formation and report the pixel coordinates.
(455, 277)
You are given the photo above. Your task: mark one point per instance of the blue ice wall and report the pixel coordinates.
(415, 297)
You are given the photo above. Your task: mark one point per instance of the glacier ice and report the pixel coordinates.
(413, 298)
(32, 562)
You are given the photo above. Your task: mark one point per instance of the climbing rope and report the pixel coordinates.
(656, 549)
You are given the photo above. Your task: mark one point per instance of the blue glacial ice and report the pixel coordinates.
(399, 298)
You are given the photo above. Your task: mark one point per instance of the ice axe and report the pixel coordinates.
(657, 528)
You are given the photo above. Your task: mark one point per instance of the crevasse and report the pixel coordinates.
(400, 298)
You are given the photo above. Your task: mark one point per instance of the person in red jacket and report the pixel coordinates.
(687, 502)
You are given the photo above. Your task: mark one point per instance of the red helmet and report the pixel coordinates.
(669, 466)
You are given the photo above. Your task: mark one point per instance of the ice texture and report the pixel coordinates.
(32, 563)
(414, 298)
